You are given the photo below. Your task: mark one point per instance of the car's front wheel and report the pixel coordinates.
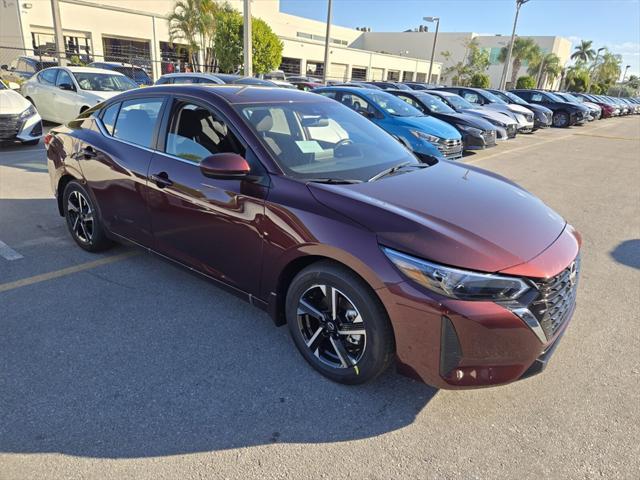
(561, 119)
(339, 324)
(83, 219)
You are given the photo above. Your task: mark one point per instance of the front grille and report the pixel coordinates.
(489, 137)
(554, 303)
(9, 126)
(451, 148)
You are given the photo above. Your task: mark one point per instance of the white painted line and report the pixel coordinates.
(8, 253)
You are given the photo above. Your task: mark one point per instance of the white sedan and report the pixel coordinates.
(61, 93)
(19, 120)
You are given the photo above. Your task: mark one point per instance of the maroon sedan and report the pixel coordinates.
(309, 211)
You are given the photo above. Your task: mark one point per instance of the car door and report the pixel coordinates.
(66, 96)
(115, 157)
(211, 225)
(42, 92)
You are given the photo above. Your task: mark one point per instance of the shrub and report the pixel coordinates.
(480, 80)
(526, 82)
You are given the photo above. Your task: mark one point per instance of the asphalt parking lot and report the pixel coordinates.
(122, 365)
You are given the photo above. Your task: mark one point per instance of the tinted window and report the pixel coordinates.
(196, 133)
(471, 97)
(64, 77)
(104, 82)
(412, 102)
(164, 81)
(48, 77)
(356, 103)
(185, 80)
(136, 121)
(109, 117)
(328, 94)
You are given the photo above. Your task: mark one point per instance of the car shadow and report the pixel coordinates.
(628, 253)
(139, 358)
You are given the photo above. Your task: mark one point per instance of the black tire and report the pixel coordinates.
(561, 119)
(32, 142)
(86, 229)
(367, 355)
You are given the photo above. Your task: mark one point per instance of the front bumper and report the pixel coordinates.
(453, 344)
(478, 142)
(542, 120)
(12, 128)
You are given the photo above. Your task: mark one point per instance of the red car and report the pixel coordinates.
(311, 212)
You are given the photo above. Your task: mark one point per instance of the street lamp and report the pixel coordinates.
(503, 80)
(624, 75)
(595, 62)
(326, 44)
(435, 39)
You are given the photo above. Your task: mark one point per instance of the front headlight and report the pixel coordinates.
(470, 130)
(456, 283)
(425, 136)
(497, 123)
(29, 112)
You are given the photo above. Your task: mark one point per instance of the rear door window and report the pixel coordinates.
(109, 116)
(137, 119)
(185, 80)
(48, 77)
(536, 97)
(472, 97)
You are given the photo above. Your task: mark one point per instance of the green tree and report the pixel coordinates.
(524, 50)
(584, 52)
(266, 47)
(526, 81)
(577, 78)
(544, 68)
(185, 26)
(608, 68)
(476, 61)
(480, 80)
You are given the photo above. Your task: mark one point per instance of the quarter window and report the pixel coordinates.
(196, 133)
(48, 77)
(109, 117)
(136, 121)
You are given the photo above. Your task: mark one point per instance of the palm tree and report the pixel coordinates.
(185, 25)
(584, 52)
(524, 50)
(609, 68)
(545, 68)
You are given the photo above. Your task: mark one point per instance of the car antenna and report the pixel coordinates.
(466, 175)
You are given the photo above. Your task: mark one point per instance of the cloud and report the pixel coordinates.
(628, 49)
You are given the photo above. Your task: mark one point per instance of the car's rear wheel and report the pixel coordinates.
(338, 324)
(561, 119)
(83, 219)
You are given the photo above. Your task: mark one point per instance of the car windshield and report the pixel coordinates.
(393, 105)
(493, 98)
(570, 97)
(138, 74)
(434, 103)
(324, 140)
(555, 98)
(104, 82)
(458, 102)
(514, 98)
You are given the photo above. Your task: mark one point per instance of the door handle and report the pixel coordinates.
(89, 152)
(161, 179)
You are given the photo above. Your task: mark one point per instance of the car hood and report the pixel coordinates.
(466, 119)
(12, 102)
(452, 214)
(592, 106)
(539, 108)
(429, 125)
(518, 108)
(492, 114)
(102, 95)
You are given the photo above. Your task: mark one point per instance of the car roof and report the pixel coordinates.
(87, 70)
(349, 88)
(444, 93)
(240, 94)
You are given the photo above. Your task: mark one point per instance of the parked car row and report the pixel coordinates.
(302, 205)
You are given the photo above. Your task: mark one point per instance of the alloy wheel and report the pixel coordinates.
(80, 216)
(560, 119)
(331, 326)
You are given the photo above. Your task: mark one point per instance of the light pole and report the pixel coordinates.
(325, 68)
(503, 80)
(248, 53)
(435, 39)
(624, 75)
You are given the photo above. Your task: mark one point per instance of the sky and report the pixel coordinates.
(609, 23)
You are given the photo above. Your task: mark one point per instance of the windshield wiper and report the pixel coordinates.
(394, 169)
(335, 181)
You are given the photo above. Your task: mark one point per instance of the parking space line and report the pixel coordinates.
(531, 145)
(66, 271)
(8, 253)
(605, 136)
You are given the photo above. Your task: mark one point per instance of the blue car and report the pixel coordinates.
(425, 135)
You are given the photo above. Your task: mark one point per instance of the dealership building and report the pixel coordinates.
(137, 31)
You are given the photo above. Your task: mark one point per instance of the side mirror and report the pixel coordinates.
(225, 166)
(66, 86)
(13, 86)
